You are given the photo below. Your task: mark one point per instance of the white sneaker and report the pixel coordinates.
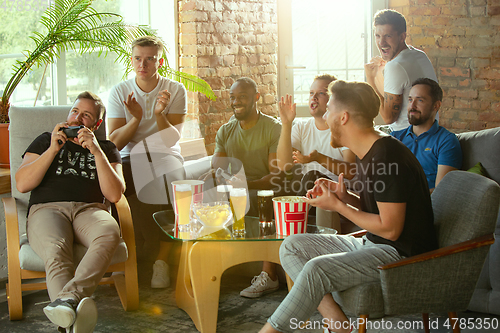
(86, 316)
(261, 285)
(160, 277)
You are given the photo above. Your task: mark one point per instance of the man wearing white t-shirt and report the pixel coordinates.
(145, 116)
(307, 143)
(393, 74)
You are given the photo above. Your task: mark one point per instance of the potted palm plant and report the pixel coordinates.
(75, 24)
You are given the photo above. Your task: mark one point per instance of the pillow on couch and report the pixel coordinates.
(478, 169)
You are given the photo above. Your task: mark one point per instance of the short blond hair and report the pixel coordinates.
(149, 41)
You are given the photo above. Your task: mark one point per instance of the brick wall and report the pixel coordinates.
(221, 41)
(462, 39)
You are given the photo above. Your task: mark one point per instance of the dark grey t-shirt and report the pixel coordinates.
(389, 172)
(72, 176)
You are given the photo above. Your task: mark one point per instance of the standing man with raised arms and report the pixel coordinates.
(403, 65)
(139, 108)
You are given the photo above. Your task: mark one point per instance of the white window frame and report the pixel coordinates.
(285, 47)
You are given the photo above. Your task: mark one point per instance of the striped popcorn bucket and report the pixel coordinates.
(196, 191)
(290, 213)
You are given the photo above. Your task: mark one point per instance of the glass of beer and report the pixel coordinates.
(238, 205)
(223, 192)
(266, 212)
(183, 202)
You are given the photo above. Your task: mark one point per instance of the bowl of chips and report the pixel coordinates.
(213, 214)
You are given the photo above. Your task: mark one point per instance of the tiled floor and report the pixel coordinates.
(158, 313)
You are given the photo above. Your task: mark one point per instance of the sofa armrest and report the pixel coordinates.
(445, 251)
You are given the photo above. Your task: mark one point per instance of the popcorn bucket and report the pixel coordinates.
(290, 213)
(196, 191)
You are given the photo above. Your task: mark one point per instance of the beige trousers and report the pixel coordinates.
(54, 227)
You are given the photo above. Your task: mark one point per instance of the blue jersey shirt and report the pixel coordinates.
(437, 146)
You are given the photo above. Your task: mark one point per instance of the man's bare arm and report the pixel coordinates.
(442, 170)
(390, 107)
(121, 132)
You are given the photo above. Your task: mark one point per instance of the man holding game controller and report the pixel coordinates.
(69, 178)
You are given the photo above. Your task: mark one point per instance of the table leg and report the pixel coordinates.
(207, 261)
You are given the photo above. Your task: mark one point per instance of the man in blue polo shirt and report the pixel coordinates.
(437, 149)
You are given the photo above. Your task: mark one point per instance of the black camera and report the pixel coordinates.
(71, 131)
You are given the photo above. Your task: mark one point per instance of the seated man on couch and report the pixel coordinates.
(70, 175)
(436, 148)
(307, 143)
(252, 138)
(394, 207)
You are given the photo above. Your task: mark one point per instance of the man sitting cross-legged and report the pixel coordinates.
(69, 179)
(394, 206)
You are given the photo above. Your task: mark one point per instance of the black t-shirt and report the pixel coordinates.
(389, 172)
(72, 176)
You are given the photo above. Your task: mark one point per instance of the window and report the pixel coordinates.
(317, 37)
(72, 73)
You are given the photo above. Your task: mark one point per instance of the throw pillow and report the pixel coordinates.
(479, 169)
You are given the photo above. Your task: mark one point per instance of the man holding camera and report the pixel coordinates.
(70, 173)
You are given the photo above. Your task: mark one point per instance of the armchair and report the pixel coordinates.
(465, 211)
(23, 263)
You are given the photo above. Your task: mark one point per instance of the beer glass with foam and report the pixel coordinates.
(238, 205)
(183, 202)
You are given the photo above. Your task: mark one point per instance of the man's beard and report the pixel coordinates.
(415, 121)
(335, 134)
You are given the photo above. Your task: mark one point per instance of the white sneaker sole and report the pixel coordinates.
(86, 316)
(61, 315)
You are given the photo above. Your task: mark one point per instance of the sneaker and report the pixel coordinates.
(86, 316)
(261, 285)
(160, 277)
(61, 312)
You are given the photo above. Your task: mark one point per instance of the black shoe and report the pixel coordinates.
(61, 312)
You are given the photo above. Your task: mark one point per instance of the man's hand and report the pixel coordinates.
(298, 158)
(133, 106)
(287, 110)
(88, 140)
(328, 194)
(372, 68)
(58, 137)
(162, 101)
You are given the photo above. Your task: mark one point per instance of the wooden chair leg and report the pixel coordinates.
(14, 300)
(454, 321)
(362, 326)
(425, 317)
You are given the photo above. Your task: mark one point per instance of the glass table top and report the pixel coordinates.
(166, 221)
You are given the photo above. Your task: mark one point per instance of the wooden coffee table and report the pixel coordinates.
(203, 261)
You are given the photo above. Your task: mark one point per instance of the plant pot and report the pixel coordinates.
(4, 146)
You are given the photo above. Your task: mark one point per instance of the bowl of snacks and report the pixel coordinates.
(213, 214)
(290, 213)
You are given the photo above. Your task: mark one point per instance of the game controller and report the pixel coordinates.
(71, 131)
